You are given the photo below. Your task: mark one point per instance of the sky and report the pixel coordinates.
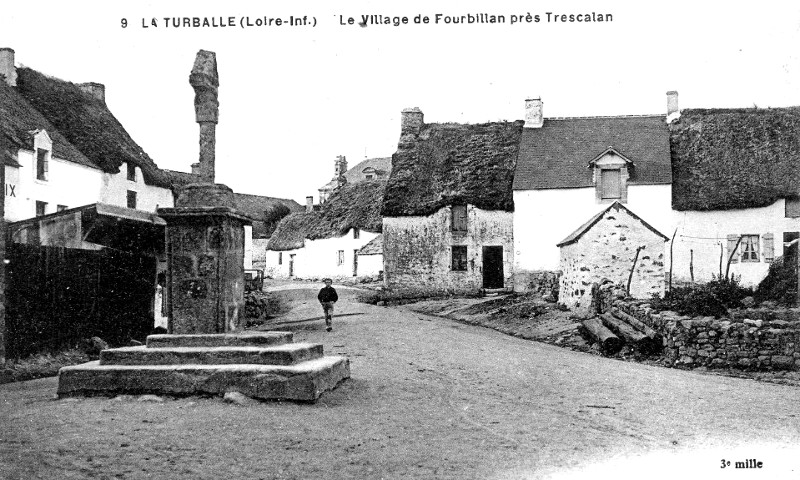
(292, 98)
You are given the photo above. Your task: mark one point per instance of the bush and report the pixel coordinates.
(710, 299)
(257, 305)
(780, 284)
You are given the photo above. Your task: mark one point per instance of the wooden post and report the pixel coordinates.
(2, 252)
(633, 269)
(797, 258)
(671, 244)
(691, 264)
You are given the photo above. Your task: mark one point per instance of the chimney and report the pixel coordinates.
(339, 166)
(309, 204)
(673, 112)
(533, 113)
(7, 68)
(97, 90)
(411, 121)
(196, 168)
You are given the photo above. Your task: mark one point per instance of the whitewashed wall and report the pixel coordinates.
(319, 258)
(704, 232)
(542, 218)
(148, 197)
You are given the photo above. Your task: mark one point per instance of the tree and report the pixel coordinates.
(273, 216)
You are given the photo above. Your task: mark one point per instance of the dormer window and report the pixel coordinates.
(42, 161)
(131, 172)
(611, 171)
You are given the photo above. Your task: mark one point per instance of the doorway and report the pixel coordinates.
(493, 267)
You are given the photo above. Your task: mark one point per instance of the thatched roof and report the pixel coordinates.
(19, 122)
(254, 206)
(350, 206)
(86, 122)
(557, 155)
(454, 164)
(734, 158)
(374, 247)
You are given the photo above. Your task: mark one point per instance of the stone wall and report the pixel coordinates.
(754, 339)
(542, 283)
(607, 250)
(418, 255)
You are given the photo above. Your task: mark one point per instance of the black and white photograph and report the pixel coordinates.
(399, 240)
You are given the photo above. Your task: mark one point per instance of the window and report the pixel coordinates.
(793, 207)
(368, 177)
(131, 172)
(41, 208)
(458, 218)
(41, 164)
(459, 261)
(61, 208)
(610, 186)
(356, 233)
(340, 257)
(280, 258)
(745, 248)
(131, 199)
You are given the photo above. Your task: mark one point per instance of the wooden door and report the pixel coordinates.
(493, 267)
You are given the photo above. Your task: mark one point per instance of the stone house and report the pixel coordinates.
(325, 241)
(569, 169)
(364, 171)
(735, 191)
(448, 206)
(615, 245)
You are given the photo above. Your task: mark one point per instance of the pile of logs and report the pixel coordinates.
(612, 330)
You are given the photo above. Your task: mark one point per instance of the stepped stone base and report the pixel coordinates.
(223, 363)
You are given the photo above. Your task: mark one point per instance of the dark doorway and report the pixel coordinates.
(492, 267)
(790, 251)
(355, 263)
(291, 264)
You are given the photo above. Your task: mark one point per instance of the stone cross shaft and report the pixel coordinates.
(205, 81)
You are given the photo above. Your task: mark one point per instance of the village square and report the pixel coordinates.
(546, 297)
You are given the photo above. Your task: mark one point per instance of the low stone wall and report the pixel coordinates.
(753, 339)
(542, 282)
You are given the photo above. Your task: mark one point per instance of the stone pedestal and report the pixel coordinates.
(205, 261)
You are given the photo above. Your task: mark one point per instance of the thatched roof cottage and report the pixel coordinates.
(325, 242)
(448, 206)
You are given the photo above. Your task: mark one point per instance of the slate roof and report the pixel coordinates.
(355, 205)
(726, 159)
(557, 155)
(86, 123)
(454, 164)
(577, 234)
(374, 247)
(382, 165)
(19, 121)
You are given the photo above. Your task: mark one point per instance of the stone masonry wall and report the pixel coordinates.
(754, 339)
(417, 250)
(543, 282)
(607, 251)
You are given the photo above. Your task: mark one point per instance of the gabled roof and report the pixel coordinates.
(355, 205)
(454, 164)
(557, 154)
(726, 159)
(382, 165)
(255, 206)
(577, 234)
(374, 247)
(86, 122)
(610, 150)
(19, 122)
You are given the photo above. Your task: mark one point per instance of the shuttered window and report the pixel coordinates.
(732, 240)
(769, 248)
(610, 184)
(459, 218)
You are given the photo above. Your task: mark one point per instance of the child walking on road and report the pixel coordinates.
(327, 297)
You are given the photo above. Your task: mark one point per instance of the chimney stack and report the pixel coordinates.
(534, 118)
(97, 90)
(196, 168)
(411, 121)
(7, 68)
(339, 166)
(309, 204)
(673, 112)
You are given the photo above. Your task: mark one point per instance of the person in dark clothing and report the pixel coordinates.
(327, 297)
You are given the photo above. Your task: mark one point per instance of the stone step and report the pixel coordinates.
(305, 381)
(253, 339)
(287, 354)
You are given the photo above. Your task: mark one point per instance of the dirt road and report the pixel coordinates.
(429, 398)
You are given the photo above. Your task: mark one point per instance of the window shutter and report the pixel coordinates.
(610, 183)
(732, 239)
(769, 248)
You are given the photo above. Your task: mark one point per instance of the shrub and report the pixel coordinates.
(780, 284)
(710, 299)
(256, 305)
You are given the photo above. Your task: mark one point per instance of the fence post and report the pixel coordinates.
(2, 251)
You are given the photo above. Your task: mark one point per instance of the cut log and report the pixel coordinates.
(609, 343)
(637, 324)
(630, 335)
